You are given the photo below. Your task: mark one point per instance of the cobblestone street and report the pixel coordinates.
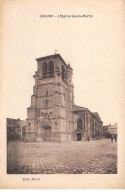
(94, 157)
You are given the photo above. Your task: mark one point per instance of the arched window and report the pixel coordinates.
(93, 125)
(44, 70)
(79, 124)
(83, 121)
(51, 69)
(63, 73)
(48, 70)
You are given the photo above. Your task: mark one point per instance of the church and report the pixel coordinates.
(53, 115)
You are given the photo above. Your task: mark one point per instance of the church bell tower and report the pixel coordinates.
(50, 116)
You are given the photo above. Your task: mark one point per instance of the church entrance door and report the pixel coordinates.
(79, 138)
(47, 134)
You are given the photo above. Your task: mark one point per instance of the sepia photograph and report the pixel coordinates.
(59, 136)
(62, 94)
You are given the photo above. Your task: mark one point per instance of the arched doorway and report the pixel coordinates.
(79, 136)
(47, 134)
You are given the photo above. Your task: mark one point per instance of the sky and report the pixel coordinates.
(93, 47)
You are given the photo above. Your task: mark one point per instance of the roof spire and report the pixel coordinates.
(55, 51)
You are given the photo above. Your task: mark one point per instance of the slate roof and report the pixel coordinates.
(14, 123)
(79, 108)
(97, 115)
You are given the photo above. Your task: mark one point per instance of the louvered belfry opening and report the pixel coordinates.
(44, 70)
(48, 70)
(51, 69)
(63, 73)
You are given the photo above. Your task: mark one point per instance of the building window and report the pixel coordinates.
(92, 125)
(63, 74)
(87, 118)
(55, 123)
(44, 70)
(83, 121)
(51, 69)
(79, 124)
(66, 75)
(48, 70)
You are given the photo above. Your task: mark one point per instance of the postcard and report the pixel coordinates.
(62, 94)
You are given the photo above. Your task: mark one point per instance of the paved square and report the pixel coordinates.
(94, 157)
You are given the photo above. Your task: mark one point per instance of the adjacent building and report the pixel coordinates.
(16, 129)
(110, 131)
(106, 133)
(113, 130)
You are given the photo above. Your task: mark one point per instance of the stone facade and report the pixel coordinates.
(53, 116)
